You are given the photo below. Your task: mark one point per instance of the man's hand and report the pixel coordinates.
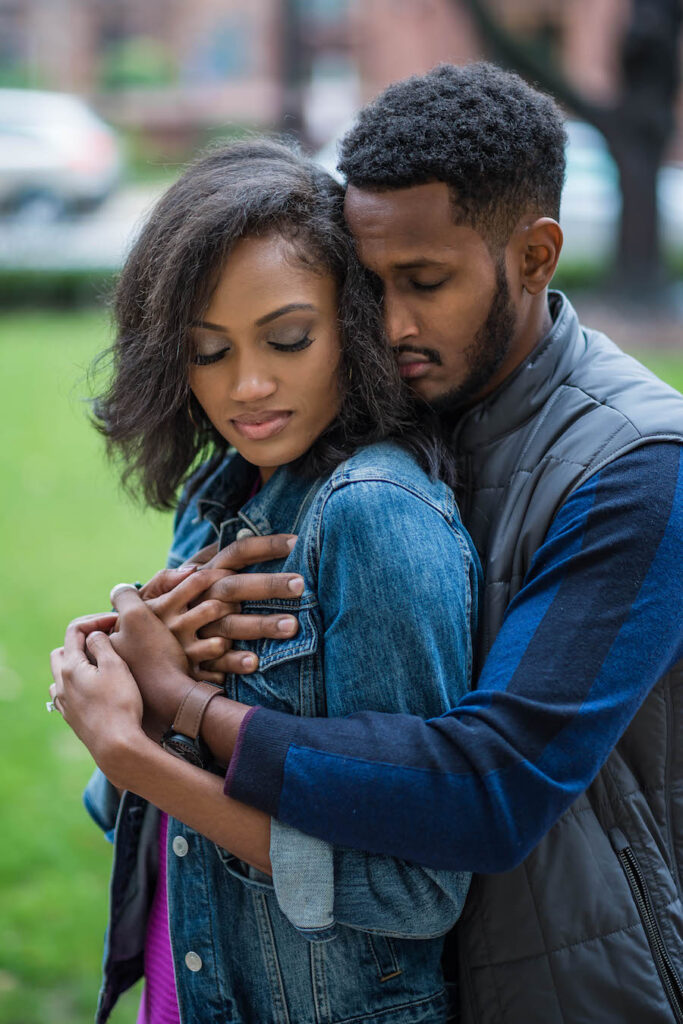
(206, 641)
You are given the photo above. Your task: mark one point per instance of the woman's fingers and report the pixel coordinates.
(252, 550)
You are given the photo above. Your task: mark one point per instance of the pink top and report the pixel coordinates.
(159, 1003)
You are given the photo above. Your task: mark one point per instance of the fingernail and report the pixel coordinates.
(286, 625)
(296, 586)
(248, 660)
(291, 542)
(185, 568)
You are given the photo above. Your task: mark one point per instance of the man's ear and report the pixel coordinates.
(539, 248)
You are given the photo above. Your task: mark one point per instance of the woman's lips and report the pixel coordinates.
(260, 426)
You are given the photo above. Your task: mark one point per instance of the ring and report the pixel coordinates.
(119, 588)
(50, 705)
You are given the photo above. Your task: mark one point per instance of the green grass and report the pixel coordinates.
(68, 534)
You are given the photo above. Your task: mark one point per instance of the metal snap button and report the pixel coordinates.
(180, 846)
(193, 961)
(244, 532)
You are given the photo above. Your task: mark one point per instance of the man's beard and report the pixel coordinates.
(485, 355)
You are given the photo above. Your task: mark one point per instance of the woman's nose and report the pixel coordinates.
(252, 382)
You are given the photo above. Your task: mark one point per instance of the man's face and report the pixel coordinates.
(448, 311)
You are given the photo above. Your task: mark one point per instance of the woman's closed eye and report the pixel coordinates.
(292, 346)
(205, 358)
(296, 345)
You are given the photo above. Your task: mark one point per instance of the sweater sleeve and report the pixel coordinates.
(598, 621)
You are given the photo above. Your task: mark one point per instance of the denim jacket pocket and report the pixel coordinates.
(296, 686)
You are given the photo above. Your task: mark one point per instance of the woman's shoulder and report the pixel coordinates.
(389, 465)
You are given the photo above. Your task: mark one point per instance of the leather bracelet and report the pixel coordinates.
(189, 715)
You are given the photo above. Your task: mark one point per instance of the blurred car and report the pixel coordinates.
(56, 155)
(591, 200)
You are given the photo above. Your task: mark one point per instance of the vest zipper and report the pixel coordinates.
(665, 967)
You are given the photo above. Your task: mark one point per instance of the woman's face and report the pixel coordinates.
(268, 348)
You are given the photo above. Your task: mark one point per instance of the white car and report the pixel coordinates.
(56, 155)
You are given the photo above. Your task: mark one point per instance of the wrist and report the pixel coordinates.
(170, 694)
(119, 756)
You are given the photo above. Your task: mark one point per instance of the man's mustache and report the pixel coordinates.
(431, 354)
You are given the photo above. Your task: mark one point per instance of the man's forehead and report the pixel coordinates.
(415, 223)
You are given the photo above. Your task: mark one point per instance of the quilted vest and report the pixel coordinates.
(589, 928)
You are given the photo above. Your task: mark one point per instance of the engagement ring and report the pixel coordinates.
(50, 705)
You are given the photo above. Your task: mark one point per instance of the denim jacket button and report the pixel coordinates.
(193, 961)
(180, 846)
(244, 532)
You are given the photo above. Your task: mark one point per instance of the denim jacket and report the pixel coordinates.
(386, 622)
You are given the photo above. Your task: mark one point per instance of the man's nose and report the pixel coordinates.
(399, 322)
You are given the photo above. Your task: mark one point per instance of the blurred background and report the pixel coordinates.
(101, 103)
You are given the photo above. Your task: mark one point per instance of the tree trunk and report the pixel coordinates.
(637, 128)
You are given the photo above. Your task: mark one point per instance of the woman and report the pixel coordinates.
(245, 322)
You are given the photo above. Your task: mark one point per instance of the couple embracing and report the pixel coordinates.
(393, 739)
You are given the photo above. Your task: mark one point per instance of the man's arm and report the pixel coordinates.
(598, 620)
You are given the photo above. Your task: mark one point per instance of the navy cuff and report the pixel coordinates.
(256, 769)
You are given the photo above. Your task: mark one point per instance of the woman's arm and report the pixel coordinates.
(405, 646)
(100, 700)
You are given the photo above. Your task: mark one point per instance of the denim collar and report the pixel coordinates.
(276, 508)
(530, 386)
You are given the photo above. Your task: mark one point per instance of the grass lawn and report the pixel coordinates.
(68, 535)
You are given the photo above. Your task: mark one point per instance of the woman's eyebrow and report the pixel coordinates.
(208, 326)
(290, 308)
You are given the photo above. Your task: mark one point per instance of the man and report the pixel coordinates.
(557, 779)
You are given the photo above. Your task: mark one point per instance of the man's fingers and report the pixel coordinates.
(165, 580)
(203, 556)
(241, 663)
(252, 627)
(201, 615)
(251, 550)
(190, 589)
(256, 586)
(205, 650)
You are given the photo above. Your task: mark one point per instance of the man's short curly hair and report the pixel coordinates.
(496, 142)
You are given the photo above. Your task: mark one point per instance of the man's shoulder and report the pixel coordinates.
(610, 378)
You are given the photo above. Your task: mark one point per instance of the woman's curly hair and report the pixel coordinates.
(147, 413)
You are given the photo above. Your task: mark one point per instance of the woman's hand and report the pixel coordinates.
(96, 693)
(154, 656)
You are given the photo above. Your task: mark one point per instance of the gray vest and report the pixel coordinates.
(589, 928)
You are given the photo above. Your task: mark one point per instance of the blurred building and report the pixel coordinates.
(164, 65)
